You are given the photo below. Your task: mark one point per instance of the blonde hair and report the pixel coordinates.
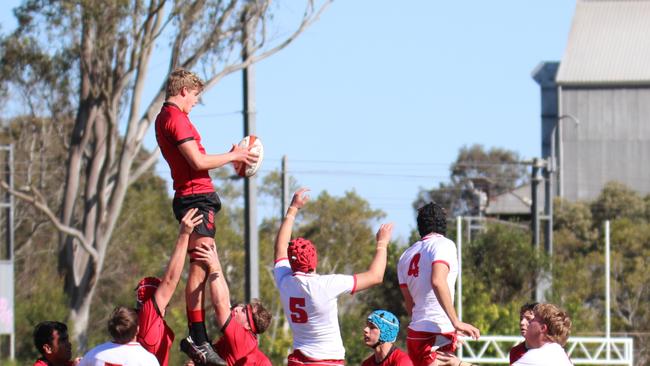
(556, 320)
(181, 78)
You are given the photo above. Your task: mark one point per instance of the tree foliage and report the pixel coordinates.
(579, 269)
(476, 175)
(85, 62)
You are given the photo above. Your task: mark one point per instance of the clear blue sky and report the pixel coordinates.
(379, 96)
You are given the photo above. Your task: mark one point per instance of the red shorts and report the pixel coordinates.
(422, 346)
(298, 359)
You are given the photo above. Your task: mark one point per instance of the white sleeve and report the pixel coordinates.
(445, 253)
(400, 272)
(281, 270)
(337, 284)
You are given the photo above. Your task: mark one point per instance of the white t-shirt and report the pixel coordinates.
(414, 272)
(309, 302)
(113, 354)
(548, 354)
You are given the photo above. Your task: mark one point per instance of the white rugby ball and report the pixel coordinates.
(255, 146)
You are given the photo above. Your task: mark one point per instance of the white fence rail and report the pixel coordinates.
(581, 350)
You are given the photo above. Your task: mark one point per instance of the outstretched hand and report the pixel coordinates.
(190, 221)
(300, 198)
(468, 330)
(447, 359)
(207, 254)
(244, 155)
(384, 234)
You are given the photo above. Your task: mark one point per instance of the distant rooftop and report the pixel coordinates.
(609, 44)
(515, 202)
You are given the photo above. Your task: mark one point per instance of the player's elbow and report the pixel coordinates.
(375, 277)
(196, 164)
(438, 284)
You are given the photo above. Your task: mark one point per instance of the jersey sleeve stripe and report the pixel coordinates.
(403, 285)
(354, 286)
(441, 261)
(280, 260)
(184, 140)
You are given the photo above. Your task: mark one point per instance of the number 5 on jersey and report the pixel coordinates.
(298, 313)
(414, 266)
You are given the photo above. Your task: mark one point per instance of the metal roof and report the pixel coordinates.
(608, 44)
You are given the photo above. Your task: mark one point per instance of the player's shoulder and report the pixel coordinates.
(402, 358)
(436, 241)
(413, 248)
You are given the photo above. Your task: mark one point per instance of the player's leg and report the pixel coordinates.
(194, 291)
(200, 348)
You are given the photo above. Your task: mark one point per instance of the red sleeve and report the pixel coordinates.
(354, 285)
(441, 261)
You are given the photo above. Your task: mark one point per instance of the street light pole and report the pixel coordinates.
(555, 136)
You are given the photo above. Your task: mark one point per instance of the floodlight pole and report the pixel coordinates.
(250, 185)
(607, 296)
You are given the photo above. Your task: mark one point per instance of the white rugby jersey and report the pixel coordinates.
(309, 302)
(548, 354)
(113, 354)
(414, 272)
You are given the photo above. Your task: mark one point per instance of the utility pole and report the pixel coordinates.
(285, 187)
(250, 185)
(544, 280)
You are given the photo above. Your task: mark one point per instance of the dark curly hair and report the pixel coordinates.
(432, 218)
(44, 333)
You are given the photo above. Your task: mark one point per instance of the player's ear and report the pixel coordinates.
(47, 348)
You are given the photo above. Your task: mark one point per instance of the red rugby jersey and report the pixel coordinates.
(173, 128)
(238, 346)
(517, 351)
(396, 357)
(154, 334)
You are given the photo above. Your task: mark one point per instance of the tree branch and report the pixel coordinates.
(153, 157)
(38, 202)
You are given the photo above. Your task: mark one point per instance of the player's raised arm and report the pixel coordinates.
(190, 151)
(375, 273)
(219, 291)
(300, 198)
(172, 275)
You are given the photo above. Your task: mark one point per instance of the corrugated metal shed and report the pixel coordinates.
(515, 202)
(608, 44)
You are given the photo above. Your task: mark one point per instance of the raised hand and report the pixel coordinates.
(300, 198)
(190, 221)
(384, 234)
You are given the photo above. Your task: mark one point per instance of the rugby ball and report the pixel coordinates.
(254, 145)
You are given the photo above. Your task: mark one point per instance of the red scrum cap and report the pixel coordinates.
(146, 288)
(302, 255)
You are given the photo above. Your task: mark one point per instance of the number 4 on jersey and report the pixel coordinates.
(414, 266)
(298, 313)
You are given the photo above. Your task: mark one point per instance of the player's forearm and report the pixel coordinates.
(284, 234)
(375, 273)
(173, 273)
(212, 161)
(219, 292)
(177, 259)
(378, 265)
